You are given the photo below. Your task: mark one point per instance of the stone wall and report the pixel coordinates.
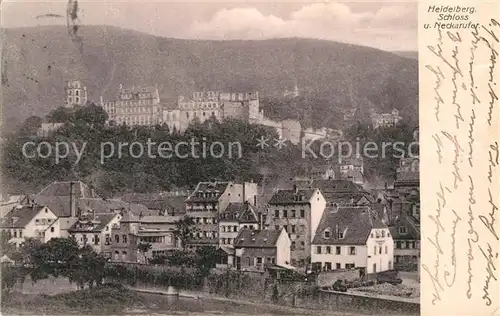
(327, 278)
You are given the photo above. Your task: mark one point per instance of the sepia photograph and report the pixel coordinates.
(208, 158)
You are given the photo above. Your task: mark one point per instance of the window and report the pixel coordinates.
(277, 227)
(285, 213)
(318, 249)
(124, 239)
(293, 245)
(293, 229)
(117, 238)
(276, 213)
(326, 234)
(374, 250)
(20, 234)
(328, 249)
(96, 239)
(385, 249)
(338, 266)
(293, 214)
(235, 229)
(379, 250)
(302, 214)
(15, 234)
(328, 266)
(350, 266)
(402, 230)
(340, 235)
(337, 250)
(259, 261)
(302, 245)
(398, 245)
(383, 233)
(352, 251)
(286, 228)
(224, 229)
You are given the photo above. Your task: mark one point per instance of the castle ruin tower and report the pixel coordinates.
(76, 94)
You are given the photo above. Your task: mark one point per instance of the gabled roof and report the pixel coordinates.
(61, 205)
(346, 198)
(241, 212)
(96, 224)
(332, 186)
(19, 217)
(248, 238)
(158, 201)
(301, 196)
(356, 223)
(208, 192)
(412, 232)
(56, 188)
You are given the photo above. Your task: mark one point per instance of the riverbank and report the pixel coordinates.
(201, 296)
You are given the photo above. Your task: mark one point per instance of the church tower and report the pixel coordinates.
(76, 94)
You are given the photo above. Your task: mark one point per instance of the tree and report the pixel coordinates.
(144, 248)
(59, 115)
(31, 126)
(91, 115)
(6, 248)
(184, 228)
(208, 256)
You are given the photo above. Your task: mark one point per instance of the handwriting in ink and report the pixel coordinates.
(435, 283)
(458, 149)
(493, 159)
(458, 115)
(473, 238)
(439, 145)
(473, 87)
(439, 99)
(490, 269)
(453, 254)
(471, 138)
(490, 222)
(438, 51)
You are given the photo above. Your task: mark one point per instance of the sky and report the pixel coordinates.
(388, 25)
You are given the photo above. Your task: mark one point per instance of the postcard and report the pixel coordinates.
(249, 157)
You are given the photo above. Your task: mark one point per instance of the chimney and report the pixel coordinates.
(72, 199)
(244, 196)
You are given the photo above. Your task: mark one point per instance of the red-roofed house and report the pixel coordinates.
(352, 237)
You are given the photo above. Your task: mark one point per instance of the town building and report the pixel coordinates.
(208, 201)
(94, 230)
(76, 94)
(352, 237)
(292, 93)
(298, 212)
(134, 107)
(47, 129)
(8, 202)
(406, 237)
(256, 249)
(235, 217)
(156, 231)
(386, 119)
(408, 176)
(352, 169)
(27, 221)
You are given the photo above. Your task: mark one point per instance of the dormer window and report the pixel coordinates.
(327, 234)
(403, 230)
(340, 235)
(383, 234)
